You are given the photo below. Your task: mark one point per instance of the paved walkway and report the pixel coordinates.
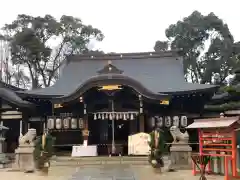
(107, 172)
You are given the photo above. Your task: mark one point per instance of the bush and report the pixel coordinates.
(43, 150)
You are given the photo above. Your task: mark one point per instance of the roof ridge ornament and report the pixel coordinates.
(110, 69)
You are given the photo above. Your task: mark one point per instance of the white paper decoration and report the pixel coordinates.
(81, 123)
(74, 123)
(50, 123)
(66, 122)
(58, 123)
(176, 121)
(184, 121)
(168, 121)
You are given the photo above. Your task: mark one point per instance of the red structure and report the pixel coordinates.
(217, 138)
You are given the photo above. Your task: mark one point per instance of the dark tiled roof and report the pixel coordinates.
(157, 72)
(11, 97)
(11, 87)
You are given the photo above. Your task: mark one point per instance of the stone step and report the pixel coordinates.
(68, 161)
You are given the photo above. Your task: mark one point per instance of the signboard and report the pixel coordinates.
(84, 151)
(138, 144)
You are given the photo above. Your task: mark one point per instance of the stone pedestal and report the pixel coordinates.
(180, 156)
(24, 158)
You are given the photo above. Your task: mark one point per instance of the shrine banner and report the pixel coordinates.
(138, 144)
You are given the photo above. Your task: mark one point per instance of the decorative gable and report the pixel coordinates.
(110, 69)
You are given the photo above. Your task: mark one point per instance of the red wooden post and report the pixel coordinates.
(234, 154)
(226, 173)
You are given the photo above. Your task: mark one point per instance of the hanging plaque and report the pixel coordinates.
(168, 121)
(80, 123)
(58, 123)
(184, 121)
(159, 121)
(176, 121)
(74, 123)
(50, 123)
(66, 122)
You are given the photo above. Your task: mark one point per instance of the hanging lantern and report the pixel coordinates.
(99, 116)
(103, 117)
(74, 123)
(50, 123)
(110, 117)
(127, 116)
(184, 121)
(80, 121)
(66, 122)
(117, 116)
(176, 121)
(95, 116)
(167, 121)
(131, 117)
(58, 123)
(124, 117)
(159, 121)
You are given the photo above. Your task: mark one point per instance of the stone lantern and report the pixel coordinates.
(3, 130)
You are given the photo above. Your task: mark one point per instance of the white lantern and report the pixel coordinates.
(58, 123)
(95, 116)
(74, 123)
(168, 121)
(80, 121)
(152, 122)
(66, 122)
(176, 121)
(184, 121)
(50, 123)
(159, 121)
(99, 116)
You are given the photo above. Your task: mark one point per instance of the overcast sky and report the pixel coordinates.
(128, 25)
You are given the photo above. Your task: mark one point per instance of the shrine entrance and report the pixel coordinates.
(111, 119)
(110, 132)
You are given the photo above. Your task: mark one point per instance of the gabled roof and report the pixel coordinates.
(11, 87)
(221, 122)
(158, 73)
(11, 97)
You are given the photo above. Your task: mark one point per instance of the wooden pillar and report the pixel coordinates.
(85, 119)
(24, 124)
(141, 123)
(141, 115)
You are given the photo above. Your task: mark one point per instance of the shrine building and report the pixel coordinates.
(101, 98)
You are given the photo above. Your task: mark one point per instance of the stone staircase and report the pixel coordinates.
(102, 160)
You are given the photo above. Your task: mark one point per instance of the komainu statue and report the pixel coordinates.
(178, 136)
(24, 153)
(28, 138)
